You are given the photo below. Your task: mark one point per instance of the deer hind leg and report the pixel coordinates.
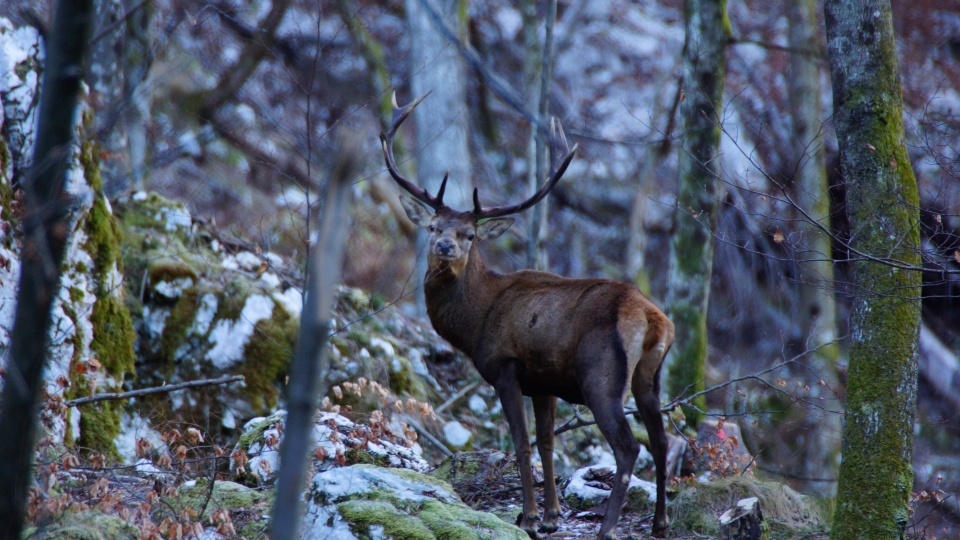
(545, 409)
(508, 388)
(603, 380)
(646, 391)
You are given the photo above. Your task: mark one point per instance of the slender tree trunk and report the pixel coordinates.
(876, 474)
(46, 227)
(817, 307)
(691, 249)
(443, 120)
(536, 254)
(138, 99)
(647, 175)
(310, 366)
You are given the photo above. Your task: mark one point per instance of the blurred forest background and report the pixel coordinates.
(231, 108)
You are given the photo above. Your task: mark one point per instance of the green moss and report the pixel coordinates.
(228, 495)
(396, 524)
(86, 526)
(99, 427)
(254, 431)
(686, 374)
(697, 509)
(355, 456)
(234, 297)
(178, 324)
(266, 357)
(362, 339)
(113, 333)
(428, 518)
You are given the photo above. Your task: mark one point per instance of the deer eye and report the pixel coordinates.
(471, 236)
(432, 227)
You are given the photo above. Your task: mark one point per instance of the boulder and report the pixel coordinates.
(365, 501)
(590, 487)
(338, 441)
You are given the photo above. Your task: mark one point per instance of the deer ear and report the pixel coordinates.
(490, 229)
(417, 212)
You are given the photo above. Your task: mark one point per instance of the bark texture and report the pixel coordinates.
(817, 309)
(876, 474)
(443, 121)
(691, 248)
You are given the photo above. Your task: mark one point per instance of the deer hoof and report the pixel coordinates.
(549, 523)
(528, 524)
(660, 529)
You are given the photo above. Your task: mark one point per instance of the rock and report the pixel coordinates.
(85, 526)
(227, 495)
(457, 436)
(676, 450)
(724, 444)
(744, 521)
(365, 501)
(338, 441)
(590, 486)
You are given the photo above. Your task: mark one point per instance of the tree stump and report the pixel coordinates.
(743, 522)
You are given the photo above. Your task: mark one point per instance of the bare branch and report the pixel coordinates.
(114, 396)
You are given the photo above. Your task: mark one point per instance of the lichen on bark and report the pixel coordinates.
(691, 248)
(876, 474)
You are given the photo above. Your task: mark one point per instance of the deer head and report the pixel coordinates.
(452, 233)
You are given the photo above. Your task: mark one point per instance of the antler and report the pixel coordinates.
(386, 141)
(557, 137)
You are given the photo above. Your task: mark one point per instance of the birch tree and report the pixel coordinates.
(876, 474)
(691, 248)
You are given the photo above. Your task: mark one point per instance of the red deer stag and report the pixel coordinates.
(537, 334)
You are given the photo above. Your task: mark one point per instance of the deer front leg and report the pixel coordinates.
(545, 409)
(508, 388)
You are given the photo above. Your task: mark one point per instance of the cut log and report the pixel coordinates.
(743, 522)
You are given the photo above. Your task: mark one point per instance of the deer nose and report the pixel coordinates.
(444, 246)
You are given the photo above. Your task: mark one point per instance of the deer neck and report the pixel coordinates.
(459, 298)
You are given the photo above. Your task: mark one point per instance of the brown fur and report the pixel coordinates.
(587, 341)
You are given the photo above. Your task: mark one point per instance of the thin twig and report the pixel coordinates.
(466, 390)
(436, 442)
(110, 396)
(117, 23)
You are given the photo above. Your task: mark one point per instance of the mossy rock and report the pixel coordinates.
(85, 526)
(373, 502)
(228, 495)
(697, 508)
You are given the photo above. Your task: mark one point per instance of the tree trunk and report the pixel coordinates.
(46, 227)
(309, 368)
(817, 306)
(138, 99)
(882, 205)
(443, 121)
(691, 248)
(539, 96)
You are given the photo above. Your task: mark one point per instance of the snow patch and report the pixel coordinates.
(455, 434)
(229, 337)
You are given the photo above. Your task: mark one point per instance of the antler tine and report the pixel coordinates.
(555, 175)
(386, 143)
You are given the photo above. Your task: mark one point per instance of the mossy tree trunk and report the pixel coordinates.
(817, 306)
(691, 248)
(876, 474)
